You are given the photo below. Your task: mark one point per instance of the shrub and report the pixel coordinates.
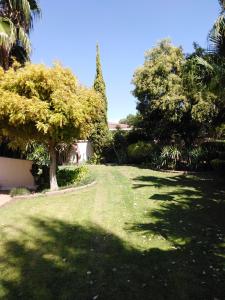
(140, 152)
(119, 146)
(218, 165)
(67, 176)
(156, 161)
(170, 155)
(19, 191)
(41, 176)
(196, 158)
(38, 154)
(95, 159)
(214, 149)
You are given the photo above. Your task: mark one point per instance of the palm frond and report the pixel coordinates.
(24, 40)
(201, 61)
(216, 37)
(35, 8)
(22, 12)
(7, 33)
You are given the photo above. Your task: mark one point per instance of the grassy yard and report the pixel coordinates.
(136, 234)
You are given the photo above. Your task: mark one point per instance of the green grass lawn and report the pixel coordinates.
(137, 234)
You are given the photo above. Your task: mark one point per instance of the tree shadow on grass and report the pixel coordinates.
(191, 217)
(69, 261)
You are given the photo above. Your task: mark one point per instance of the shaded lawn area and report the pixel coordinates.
(137, 234)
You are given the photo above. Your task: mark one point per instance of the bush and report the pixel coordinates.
(218, 165)
(156, 161)
(140, 152)
(19, 191)
(215, 149)
(95, 159)
(170, 156)
(41, 176)
(196, 158)
(119, 146)
(67, 176)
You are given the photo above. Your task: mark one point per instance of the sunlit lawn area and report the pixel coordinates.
(136, 234)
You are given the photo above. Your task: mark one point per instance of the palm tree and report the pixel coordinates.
(16, 21)
(216, 36)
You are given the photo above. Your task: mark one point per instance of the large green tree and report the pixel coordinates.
(47, 106)
(161, 101)
(172, 101)
(16, 21)
(100, 133)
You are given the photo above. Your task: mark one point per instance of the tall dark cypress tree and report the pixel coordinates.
(101, 132)
(99, 83)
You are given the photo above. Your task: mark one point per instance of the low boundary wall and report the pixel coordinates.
(15, 173)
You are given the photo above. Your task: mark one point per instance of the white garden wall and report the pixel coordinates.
(85, 150)
(15, 173)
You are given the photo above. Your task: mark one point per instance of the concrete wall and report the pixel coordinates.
(85, 149)
(15, 173)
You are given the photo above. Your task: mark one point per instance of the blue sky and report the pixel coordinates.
(69, 30)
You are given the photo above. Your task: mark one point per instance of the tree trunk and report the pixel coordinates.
(52, 171)
(4, 55)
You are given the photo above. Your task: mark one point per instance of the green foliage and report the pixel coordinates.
(218, 164)
(95, 159)
(119, 145)
(100, 136)
(158, 89)
(41, 176)
(6, 151)
(38, 153)
(140, 152)
(131, 120)
(99, 83)
(220, 131)
(19, 191)
(203, 106)
(71, 176)
(171, 156)
(215, 149)
(174, 100)
(217, 33)
(15, 23)
(196, 158)
(48, 106)
(66, 176)
(100, 133)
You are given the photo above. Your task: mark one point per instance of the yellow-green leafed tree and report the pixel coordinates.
(46, 105)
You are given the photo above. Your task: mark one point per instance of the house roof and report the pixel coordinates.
(115, 126)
